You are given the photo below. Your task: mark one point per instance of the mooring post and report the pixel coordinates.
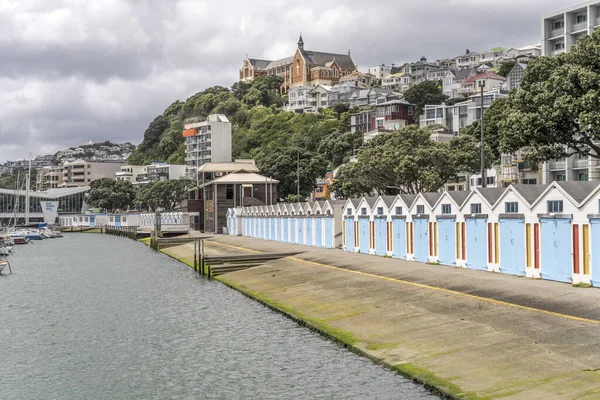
(202, 257)
(195, 260)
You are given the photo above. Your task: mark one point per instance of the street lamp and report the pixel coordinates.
(482, 142)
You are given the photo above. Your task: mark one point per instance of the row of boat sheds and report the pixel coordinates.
(539, 231)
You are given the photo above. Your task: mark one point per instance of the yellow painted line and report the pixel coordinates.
(233, 247)
(471, 296)
(423, 286)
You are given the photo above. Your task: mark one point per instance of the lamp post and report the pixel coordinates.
(482, 142)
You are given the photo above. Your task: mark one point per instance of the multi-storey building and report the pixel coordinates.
(471, 85)
(206, 141)
(157, 171)
(130, 173)
(562, 28)
(81, 172)
(390, 116)
(49, 177)
(304, 68)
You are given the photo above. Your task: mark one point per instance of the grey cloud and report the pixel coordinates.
(74, 70)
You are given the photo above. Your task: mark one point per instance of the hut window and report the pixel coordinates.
(398, 210)
(555, 206)
(124, 219)
(421, 209)
(363, 211)
(348, 211)
(476, 208)
(379, 210)
(446, 209)
(511, 207)
(328, 212)
(229, 192)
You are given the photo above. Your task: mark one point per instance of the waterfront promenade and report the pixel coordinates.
(473, 334)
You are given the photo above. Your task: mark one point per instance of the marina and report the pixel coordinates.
(84, 322)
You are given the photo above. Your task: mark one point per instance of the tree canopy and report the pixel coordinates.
(111, 194)
(406, 161)
(165, 195)
(492, 117)
(427, 92)
(556, 110)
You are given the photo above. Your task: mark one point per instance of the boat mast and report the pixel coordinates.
(16, 204)
(27, 192)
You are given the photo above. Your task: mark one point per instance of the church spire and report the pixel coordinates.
(301, 42)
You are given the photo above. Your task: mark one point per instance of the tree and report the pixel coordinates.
(492, 117)
(111, 194)
(505, 68)
(337, 148)
(407, 161)
(165, 195)
(427, 92)
(556, 111)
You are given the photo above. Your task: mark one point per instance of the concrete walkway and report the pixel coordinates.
(472, 334)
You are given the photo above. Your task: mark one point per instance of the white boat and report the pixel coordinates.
(57, 234)
(4, 264)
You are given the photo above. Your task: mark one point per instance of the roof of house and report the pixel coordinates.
(388, 200)
(432, 197)
(459, 196)
(355, 202)
(320, 58)
(491, 195)
(279, 63)
(484, 75)
(579, 191)
(259, 64)
(242, 177)
(529, 192)
(391, 102)
(464, 73)
(408, 198)
(371, 200)
(246, 165)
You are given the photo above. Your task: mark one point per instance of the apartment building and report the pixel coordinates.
(562, 28)
(206, 141)
(80, 172)
(130, 173)
(49, 177)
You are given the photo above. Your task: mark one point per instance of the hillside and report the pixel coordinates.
(275, 139)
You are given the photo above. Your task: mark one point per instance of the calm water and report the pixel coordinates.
(99, 317)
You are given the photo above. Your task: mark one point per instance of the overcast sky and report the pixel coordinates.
(77, 70)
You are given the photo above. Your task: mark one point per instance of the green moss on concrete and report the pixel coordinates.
(433, 382)
(582, 285)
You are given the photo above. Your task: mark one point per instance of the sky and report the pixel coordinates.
(72, 71)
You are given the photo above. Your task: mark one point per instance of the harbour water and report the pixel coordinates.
(94, 316)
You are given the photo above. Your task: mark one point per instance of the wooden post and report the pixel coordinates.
(195, 260)
(202, 256)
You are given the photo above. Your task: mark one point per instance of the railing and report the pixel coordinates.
(581, 164)
(597, 21)
(557, 52)
(580, 26)
(558, 165)
(557, 32)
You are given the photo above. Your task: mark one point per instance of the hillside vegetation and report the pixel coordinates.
(277, 140)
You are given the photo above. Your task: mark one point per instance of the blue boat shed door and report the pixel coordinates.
(318, 232)
(309, 231)
(477, 243)
(421, 240)
(349, 233)
(595, 223)
(293, 232)
(329, 232)
(447, 241)
(399, 238)
(365, 238)
(512, 246)
(117, 220)
(556, 249)
(380, 236)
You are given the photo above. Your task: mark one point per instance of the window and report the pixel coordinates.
(559, 24)
(379, 210)
(363, 211)
(561, 177)
(451, 188)
(491, 180)
(112, 219)
(511, 207)
(229, 192)
(583, 177)
(581, 18)
(446, 209)
(460, 188)
(379, 123)
(348, 211)
(123, 219)
(559, 46)
(531, 181)
(410, 110)
(476, 208)
(421, 209)
(555, 206)
(398, 210)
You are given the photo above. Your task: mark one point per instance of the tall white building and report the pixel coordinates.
(379, 71)
(207, 141)
(562, 28)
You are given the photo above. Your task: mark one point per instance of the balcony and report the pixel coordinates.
(579, 27)
(597, 22)
(557, 52)
(557, 165)
(581, 164)
(557, 32)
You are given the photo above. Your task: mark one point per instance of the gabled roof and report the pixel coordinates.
(459, 197)
(408, 199)
(579, 191)
(485, 75)
(279, 63)
(388, 200)
(529, 193)
(320, 58)
(241, 177)
(355, 202)
(431, 197)
(370, 201)
(491, 195)
(464, 73)
(259, 64)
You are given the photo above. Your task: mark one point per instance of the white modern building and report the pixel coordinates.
(130, 173)
(379, 71)
(82, 173)
(562, 28)
(207, 141)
